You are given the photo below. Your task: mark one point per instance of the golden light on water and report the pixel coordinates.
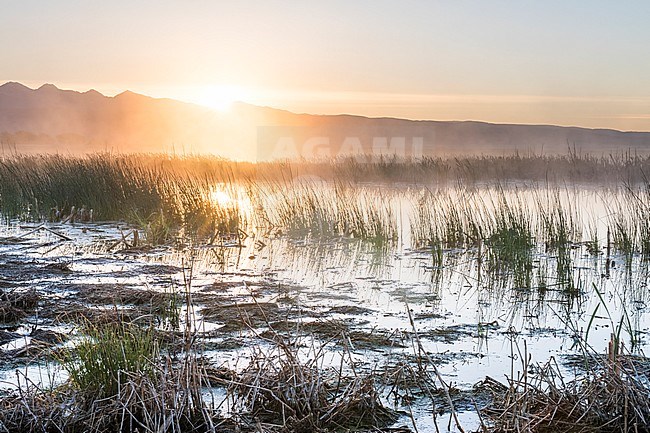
(221, 198)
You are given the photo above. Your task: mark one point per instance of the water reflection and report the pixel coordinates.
(462, 288)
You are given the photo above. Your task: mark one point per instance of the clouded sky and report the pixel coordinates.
(583, 63)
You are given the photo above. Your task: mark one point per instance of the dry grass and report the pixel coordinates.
(295, 392)
(17, 304)
(120, 380)
(169, 400)
(612, 396)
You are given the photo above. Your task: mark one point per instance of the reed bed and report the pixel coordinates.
(505, 229)
(165, 197)
(572, 167)
(168, 197)
(463, 217)
(17, 304)
(297, 393)
(628, 222)
(323, 210)
(104, 187)
(119, 381)
(611, 396)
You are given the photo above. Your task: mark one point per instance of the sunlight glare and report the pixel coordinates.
(220, 97)
(220, 197)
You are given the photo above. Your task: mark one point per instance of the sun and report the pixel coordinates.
(220, 97)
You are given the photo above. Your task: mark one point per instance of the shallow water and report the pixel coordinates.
(472, 324)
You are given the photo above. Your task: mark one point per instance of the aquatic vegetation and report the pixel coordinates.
(306, 208)
(17, 304)
(109, 187)
(279, 387)
(290, 252)
(107, 355)
(510, 242)
(612, 392)
(456, 219)
(557, 220)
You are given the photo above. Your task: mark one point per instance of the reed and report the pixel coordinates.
(457, 218)
(161, 198)
(297, 393)
(610, 396)
(558, 229)
(632, 227)
(166, 194)
(319, 209)
(511, 241)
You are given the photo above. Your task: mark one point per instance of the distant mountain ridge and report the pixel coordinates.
(49, 119)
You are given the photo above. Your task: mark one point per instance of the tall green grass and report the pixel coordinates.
(161, 198)
(457, 219)
(321, 209)
(109, 356)
(170, 196)
(511, 239)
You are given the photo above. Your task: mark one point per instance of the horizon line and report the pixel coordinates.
(379, 117)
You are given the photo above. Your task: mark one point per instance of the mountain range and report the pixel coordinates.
(51, 120)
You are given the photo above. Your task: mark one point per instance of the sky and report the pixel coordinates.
(582, 63)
